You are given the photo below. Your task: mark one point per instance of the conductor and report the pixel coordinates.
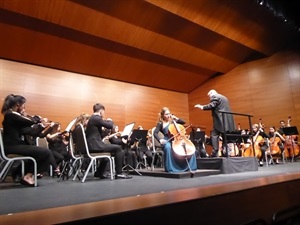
(218, 102)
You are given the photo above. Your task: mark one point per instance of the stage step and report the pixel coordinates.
(228, 165)
(159, 172)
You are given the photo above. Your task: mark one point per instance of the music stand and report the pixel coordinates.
(291, 131)
(234, 137)
(197, 136)
(126, 134)
(141, 137)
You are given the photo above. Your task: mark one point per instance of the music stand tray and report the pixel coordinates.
(140, 135)
(235, 137)
(290, 130)
(197, 136)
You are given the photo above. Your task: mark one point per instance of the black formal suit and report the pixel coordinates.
(95, 143)
(14, 126)
(219, 102)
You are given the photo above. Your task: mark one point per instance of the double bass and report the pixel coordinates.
(291, 148)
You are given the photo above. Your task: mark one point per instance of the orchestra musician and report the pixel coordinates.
(82, 119)
(172, 162)
(115, 138)
(142, 147)
(94, 138)
(58, 143)
(276, 143)
(260, 142)
(14, 127)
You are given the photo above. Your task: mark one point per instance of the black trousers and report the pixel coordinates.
(117, 152)
(40, 154)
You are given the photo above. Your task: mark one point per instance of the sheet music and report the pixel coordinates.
(71, 124)
(127, 129)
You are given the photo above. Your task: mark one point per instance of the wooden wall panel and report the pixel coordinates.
(61, 96)
(268, 89)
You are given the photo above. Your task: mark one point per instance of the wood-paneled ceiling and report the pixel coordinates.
(169, 44)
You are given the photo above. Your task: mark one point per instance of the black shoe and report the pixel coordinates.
(25, 183)
(16, 177)
(123, 176)
(100, 175)
(96, 174)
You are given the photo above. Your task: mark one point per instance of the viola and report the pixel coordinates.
(181, 145)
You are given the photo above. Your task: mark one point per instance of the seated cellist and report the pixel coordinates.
(276, 143)
(260, 139)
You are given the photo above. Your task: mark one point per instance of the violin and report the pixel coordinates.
(181, 145)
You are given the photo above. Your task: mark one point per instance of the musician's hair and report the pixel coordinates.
(11, 101)
(162, 113)
(97, 107)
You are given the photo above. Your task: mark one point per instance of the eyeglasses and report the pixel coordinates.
(167, 114)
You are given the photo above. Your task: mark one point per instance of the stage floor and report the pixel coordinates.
(50, 193)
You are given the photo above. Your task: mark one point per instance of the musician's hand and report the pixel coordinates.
(198, 106)
(105, 138)
(162, 141)
(174, 117)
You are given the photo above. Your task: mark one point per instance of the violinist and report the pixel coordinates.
(82, 119)
(14, 124)
(94, 138)
(276, 143)
(172, 163)
(115, 138)
(58, 145)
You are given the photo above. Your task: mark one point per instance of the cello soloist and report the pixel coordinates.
(173, 163)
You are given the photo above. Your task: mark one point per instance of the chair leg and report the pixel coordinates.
(76, 174)
(5, 170)
(88, 169)
(35, 172)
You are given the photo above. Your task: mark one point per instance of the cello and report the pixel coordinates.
(257, 141)
(181, 145)
(274, 143)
